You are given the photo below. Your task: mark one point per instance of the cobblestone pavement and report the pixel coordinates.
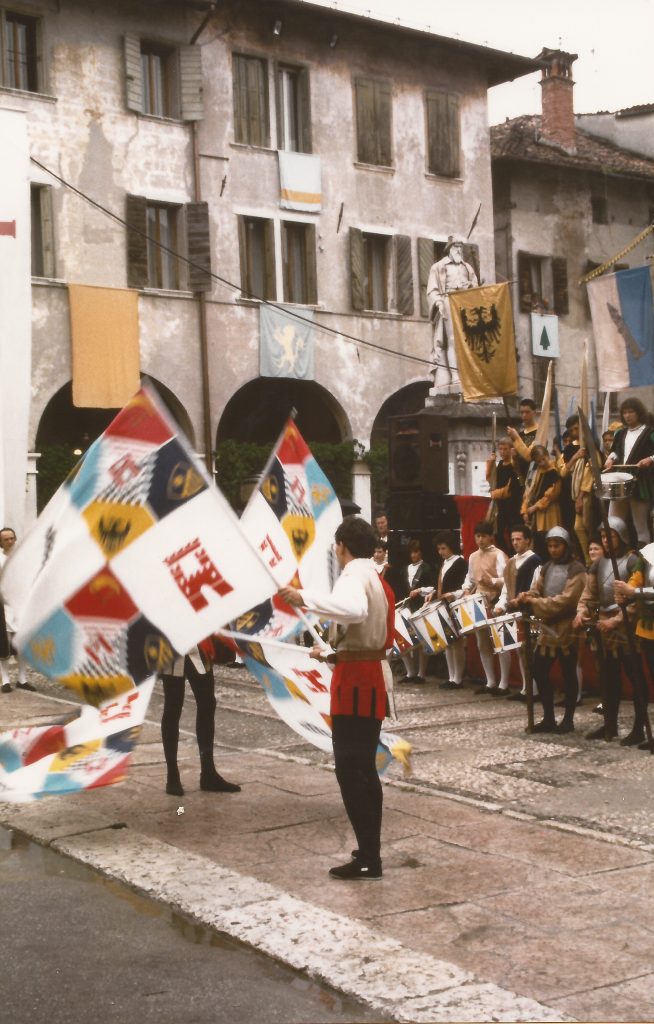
(517, 870)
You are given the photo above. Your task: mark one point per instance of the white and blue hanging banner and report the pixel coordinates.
(285, 342)
(545, 335)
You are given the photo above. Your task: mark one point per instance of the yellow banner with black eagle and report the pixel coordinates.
(482, 324)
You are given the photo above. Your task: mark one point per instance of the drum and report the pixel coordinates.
(404, 638)
(615, 486)
(505, 632)
(469, 613)
(434, 625)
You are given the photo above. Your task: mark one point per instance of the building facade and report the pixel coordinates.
(155, 135)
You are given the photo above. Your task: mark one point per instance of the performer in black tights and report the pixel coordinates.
(202, 685)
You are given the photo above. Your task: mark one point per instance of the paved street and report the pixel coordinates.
(517, 870)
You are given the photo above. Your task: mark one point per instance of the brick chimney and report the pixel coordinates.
(558, 118)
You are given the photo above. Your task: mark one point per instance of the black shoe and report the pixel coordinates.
(485, 689)
(174, 787)
(545, 726)
(598, 709)
(559, 703)
(633, 739)
(500, 691)
(517, 696)
(450, 685)
(357, 871)
(214, 783)
(26, 686)
(564, 726)
(6, 687)
(418, 679)
(407, 679)
(645, 745)
(600, 734)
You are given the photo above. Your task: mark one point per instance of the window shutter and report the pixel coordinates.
(190, 74)
(365, 109)
(199, 247)
(137, 249)
(310, 263)
(285, 275)
(239, 88)
(257, 102)
(41, 64)
(357, 268)
(524, 282)
(47, 232)
(426, 259)
(443, 135)
(304, 111)
(383, 123)
(269, 255)
(243, 253)
(133, 73)
(403, 275)
(471, 256)
(560, 285)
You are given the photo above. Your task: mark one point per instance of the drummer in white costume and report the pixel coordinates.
(486, 577)
(519, 577)
(451, 577)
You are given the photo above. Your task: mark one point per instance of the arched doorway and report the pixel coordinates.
(258, 411)
(407, 400)
(66, 431)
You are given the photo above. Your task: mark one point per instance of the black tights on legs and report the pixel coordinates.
(355, 745)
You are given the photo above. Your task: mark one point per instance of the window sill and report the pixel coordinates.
(443, 177)
(167, 293)
(384, 314)
(160, 119)
(253, 149)
(48, 282)
(244, 300)
(6, 90)
(377, 168)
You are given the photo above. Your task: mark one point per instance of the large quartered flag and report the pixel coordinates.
(83, 753)
(135, 559)
(292, 516)
(482, 324)
(622, 310)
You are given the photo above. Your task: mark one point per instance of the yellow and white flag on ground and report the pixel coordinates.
(482, 322)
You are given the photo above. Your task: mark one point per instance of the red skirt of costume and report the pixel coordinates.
(358, 687)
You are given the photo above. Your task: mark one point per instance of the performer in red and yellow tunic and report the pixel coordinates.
(362, 607)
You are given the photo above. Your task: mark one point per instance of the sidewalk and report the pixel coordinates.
(487, 910)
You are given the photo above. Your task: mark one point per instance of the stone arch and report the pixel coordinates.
(409, 399)
(258, 410)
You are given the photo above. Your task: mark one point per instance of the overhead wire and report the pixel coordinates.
(348, 338)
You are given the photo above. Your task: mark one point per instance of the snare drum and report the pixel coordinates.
(505, 632)
(429, 624)
(615, 486)
(404, 639)
(469, 613)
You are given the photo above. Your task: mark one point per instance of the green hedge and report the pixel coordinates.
(53, 467)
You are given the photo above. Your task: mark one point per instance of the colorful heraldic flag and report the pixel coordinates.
(482, 322)
(90, 751)
(292, 516)
(286, 343)
(297, 687)
(545, 335)
(136, 557)
(622, 311)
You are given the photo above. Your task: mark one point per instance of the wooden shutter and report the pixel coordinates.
(47, 231)
(257, 102)
(137, 249)
(239, 89)
(243, 253)
(403, 275)
(524, 282)
(426, 259)
(443, 133)
(471, 256)
(357, 268)
(560, 285)
(199, 247)
(304, 111)
(269, 258)
(133, 73)
(383, 123)
(365, 111)
(190, 76)
(310, 263)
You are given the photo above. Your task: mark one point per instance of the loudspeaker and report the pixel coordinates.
(417, 451)
(415, 512)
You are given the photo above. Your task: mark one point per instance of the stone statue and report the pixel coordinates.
(450, 274)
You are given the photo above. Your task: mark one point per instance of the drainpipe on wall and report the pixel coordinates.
(201, 296)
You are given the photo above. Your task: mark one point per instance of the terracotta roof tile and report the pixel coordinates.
(519, 139)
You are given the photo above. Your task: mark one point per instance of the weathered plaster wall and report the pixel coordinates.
(636, 132)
